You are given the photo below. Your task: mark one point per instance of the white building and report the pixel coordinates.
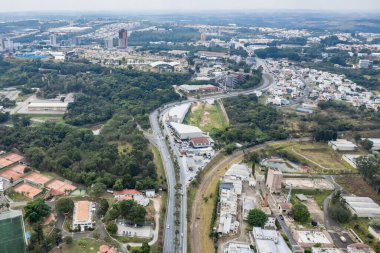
(238, 247)
(46, 106)
(53, 39)
(325, 250)
(178, 113)
(359, 248)
(185, 132)
(240, 171)
(269, 241)
(364, 64)
(351, 159)
(248, 205)
(375, 141)
(362, 206)
(83, 215)
(342, 145)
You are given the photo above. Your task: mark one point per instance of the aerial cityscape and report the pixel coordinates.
(190, 126)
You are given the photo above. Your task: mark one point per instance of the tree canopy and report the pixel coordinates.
(257, 218)
(300, 213)
(36, 210)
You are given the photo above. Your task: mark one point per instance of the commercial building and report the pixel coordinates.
(194, 89)
(83, 215)
(123, 39)
(201, 142)
(58, 107)
(178, 113)
(342, 145)
(362, 206)
(365, 64)
(308, 238)
(185, 132)
(274, 180)
(359, 248)
(238, 247)
(269, 241)
(12, 232)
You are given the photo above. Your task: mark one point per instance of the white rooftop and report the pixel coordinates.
(239, 170)
(185, 129)
(312, 237)
(363, 206)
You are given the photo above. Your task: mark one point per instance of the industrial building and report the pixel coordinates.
(12, 232)
(274, 180)
(375, 141)
(342, 145)
(59, 107)
(362, 206)
(185, 132)
(351, 159)
(269, 241)
(178, 113)
(83, 215)
(193, 89)
(238, 247)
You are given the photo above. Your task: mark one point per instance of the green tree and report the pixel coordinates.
(300, 213)
(112, 228)
(36, 210)
(103, 207)
(98, 189)
(118, 186)
(68, 240)
(257, 218)
(65, 205)
(367, 144)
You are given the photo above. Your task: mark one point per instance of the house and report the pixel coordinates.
(131, 194)
(359, 248)
(150, 193)
(83, 215)
(285, 207)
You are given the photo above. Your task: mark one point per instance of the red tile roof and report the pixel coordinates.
(200, 140)
(127, 192)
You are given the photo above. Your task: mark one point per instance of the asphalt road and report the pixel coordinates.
(169, 234)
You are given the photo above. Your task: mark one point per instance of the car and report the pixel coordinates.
(168, 227)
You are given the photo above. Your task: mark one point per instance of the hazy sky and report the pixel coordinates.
(185, 5)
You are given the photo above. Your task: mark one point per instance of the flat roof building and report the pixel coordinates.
(359, 248)
(186, 132)
(274, 180)
(362, 206)
(342, 145)
(269, 241)
(375, 141)
(59, 107)
(238, 247)
(308, 238)
(178, 113)
(83, 215)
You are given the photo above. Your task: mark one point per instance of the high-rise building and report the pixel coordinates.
(12, 232)
(274, 180)
(2, 45)
(53, 39)
(9, 44)
(108, 43)
(203, 37)
(123, 39)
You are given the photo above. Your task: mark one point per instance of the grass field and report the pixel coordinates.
(15, 196)
(85, 245)
(318, 195)
(318, 156)
(355, 184)
(206, 116)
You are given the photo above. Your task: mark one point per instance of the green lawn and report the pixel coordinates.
(318, 195)
(89, 245)
(17, 197)
(206, 116)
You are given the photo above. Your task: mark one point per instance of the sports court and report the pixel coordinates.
(18, 168)
(27, 190)
(37, 178)
(60, 187)
(9, 174)
(9, 159)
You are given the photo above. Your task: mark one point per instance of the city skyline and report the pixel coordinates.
(183, 5)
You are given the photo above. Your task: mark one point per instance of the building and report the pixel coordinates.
(12, 232)
(308, 238)
(269, 241)
(44, 107)
(285, 207)
(351, 159)
(238, 247)
(131, 194)
(365, 64)
(248, 205)
(359, 248)
(375, 232)
(274, 180)
(362, 206)
(325, 250)
(53, 39)
(185, 132)
(240, 171)
(342, 145)
(83, 215)
(195, 89)
(203, 37)
(108, 43)
(178, 113)
(375, 141)
(201, 142)
(123, 39)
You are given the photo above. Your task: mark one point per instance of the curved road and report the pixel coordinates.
(159, 140)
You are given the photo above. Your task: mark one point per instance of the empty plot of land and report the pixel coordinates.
(207, 116)
(308, 183)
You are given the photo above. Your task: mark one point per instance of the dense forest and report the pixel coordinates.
(123, 98)
(369, 168)
(251, 122)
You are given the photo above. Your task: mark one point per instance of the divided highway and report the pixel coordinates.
(159, 140)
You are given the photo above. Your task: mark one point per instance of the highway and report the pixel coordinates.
(159, 140)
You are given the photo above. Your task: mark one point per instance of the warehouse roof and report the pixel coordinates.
(363, 206)
(47, 104)
(158, 63)
(184, 129)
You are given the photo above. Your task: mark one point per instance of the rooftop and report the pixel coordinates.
(82, 210)
(184, 129)
(127, 192)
